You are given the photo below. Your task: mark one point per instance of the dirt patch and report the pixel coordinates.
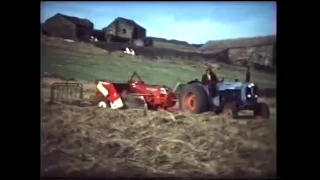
(92, 141)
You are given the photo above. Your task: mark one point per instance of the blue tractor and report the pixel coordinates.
(229, 98)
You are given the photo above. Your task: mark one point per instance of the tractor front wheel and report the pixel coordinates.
(230, 110)
(262, 110)
(193, 99)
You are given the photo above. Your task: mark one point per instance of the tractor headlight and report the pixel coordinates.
(249, 95)
(256, 96)
(250, 85)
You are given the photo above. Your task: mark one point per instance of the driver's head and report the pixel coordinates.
(208, 70)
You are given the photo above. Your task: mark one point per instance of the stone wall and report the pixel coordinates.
(263, 55)
(170, 54)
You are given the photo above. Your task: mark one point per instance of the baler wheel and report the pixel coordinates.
(103, 104)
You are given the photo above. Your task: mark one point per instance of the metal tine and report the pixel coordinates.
(65, 95)
(62, 93)
(66, 92)
(58, 94)
(75, 92)
(70, 92)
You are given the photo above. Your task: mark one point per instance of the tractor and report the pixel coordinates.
(231, 97)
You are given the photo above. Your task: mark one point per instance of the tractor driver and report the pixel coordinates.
(210, 79)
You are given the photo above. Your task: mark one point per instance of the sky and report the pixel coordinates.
(194, 22)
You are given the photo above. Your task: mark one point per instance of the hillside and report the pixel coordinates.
(165, 51)
(114, 64)
(172, 42)
(239, 42)
(256, 51)
(216, 45)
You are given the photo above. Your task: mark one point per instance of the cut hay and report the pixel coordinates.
(92, 141)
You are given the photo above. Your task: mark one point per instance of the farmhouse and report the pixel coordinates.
(68, 27)
(124, 30)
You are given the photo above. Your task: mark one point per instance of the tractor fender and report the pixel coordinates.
(199, 98)
(194, 81)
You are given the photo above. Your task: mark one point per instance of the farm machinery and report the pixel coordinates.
(194, 96)
(114, 95)
(230, 98)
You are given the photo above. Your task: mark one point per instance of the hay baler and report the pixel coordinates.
(115, 95)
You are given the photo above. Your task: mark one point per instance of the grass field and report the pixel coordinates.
(90, 141)
(103, 66)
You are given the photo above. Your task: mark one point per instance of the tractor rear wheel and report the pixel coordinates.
(193, 99)
(230, 110)
(262, 110)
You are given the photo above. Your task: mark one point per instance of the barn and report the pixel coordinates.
(124, 30)
(68, 27)
(42, 30)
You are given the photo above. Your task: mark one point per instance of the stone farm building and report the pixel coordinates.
(260, 54)
(68, 27)
(124, 30)
(256, 50)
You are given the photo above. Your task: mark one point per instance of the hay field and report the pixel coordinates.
(98, 142)
(88, 141)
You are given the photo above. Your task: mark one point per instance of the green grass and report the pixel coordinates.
(90, 67)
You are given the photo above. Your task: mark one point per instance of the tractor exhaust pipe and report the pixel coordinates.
(248, 74)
